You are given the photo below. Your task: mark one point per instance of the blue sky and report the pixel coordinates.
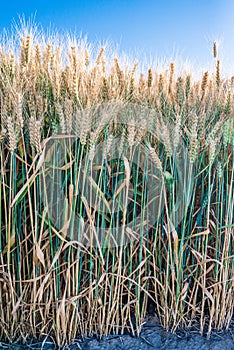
(159, 28)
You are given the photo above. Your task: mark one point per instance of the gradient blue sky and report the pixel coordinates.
(157, 27)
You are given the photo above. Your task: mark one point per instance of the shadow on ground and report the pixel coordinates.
(153, 336)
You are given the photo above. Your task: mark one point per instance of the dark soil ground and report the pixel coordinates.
(153, 336)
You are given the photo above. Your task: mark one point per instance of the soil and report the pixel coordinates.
(153, 336)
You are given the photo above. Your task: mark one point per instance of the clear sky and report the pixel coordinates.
(159, 28)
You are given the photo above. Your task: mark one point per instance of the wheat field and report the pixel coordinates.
(77, 261)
